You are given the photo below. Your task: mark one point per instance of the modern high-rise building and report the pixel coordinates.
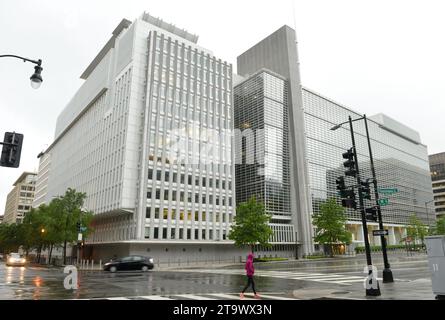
(139, 138)
(278, 53)
(300, 157)
(19, 200)
(263, 164)
(400, 160)
(437, 166)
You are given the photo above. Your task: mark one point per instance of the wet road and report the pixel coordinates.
(278, 278)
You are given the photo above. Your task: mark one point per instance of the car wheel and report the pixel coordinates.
(113, 269)
(144, 268)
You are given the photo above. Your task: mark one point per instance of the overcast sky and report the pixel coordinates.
(373, 56)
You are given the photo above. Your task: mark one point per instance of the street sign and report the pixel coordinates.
(383, 202)
(79, 237)
(380, 232)
(83, 229)
(388, 190)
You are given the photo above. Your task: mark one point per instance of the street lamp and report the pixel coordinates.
(387, 273)
(36, 78)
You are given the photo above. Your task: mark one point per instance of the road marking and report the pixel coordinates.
(154, 298)
(229, 296)
(118, 298)
(193, 297)
(270, 297)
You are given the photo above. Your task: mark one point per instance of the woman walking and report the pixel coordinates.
(249, 272)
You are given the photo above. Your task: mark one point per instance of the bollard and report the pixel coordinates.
(92, 264)
(100, 264)
(88, 264)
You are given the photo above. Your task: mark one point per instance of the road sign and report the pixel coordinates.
(380, 232)
(388, 190)
(79, 237)
(383, 202)
(83, 229)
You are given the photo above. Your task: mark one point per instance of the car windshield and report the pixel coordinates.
(15, 255)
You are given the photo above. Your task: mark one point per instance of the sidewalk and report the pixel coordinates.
(419, 289)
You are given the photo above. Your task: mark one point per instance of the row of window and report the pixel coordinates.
(218, 183)
(181, 197)
(182, 234)
(181, 215)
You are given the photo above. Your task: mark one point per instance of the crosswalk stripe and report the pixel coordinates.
(271, 297)
(324, 277)
(194, 297)
(229, 296)
(155, 298)
(118, 298)
(356, 280)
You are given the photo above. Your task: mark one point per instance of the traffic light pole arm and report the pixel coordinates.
(37, 62)
(376, 193)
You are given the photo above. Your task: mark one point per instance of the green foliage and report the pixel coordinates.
(416, 229)
(48, 226)
(269, 259)
(391, 247)
(330, 224)
(251, 225)
(439, 227)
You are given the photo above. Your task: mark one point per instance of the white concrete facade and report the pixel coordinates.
(111, 140)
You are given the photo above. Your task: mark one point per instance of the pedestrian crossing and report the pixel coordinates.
(341, 279)
(205, 296)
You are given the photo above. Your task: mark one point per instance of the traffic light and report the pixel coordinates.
(341, 187)
(349, 163)
(371, 213)
(347, 195)
(12, 149)
(78, 227)
(349, 200)
(365, 189)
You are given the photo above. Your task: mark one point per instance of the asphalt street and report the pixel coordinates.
(339, 278)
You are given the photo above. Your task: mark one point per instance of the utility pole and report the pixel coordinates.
(371, 291)
(387, 273)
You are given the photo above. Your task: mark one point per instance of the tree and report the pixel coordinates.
(416, 229)
(330, 224)
(68, 210)
(251, 225)
(439, 227)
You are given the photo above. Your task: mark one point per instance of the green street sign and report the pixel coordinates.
(383, 202)
(388, 190)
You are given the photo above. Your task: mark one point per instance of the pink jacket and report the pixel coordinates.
(249, 265)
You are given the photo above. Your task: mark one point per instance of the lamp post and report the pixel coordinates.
(36, 77)
(387, 273)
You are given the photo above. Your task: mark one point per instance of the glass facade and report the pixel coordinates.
(400, 162)
(262, 148)
(437, 167)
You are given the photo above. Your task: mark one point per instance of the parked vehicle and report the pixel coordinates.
(15, 259)
(129, 263)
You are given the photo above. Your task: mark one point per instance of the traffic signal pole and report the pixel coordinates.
(371, 291)
(387, 273)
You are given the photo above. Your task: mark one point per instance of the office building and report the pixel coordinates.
(114, 140)
(437, 166)
(269, 93)
(19, 200)
(262, 167)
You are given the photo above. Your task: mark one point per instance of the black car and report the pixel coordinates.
(129, 263)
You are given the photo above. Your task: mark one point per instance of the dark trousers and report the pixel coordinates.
(249, 282)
